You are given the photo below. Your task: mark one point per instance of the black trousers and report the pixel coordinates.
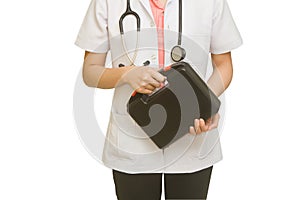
(146, 186)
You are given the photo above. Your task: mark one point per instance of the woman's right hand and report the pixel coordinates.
(143, 79)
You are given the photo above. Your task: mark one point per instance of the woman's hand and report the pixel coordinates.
(143, 79)
(147, 89)
(201, 126)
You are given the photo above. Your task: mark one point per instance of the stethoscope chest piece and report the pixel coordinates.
(178, 53)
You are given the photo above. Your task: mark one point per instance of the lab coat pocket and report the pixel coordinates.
(132, 142)
(207, 142)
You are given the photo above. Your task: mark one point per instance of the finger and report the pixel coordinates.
(158, 76)
(213, 126)
(209, 121)
(149, 87)
(215, 122)
(197, 126)
(203, 127)
(143, 90)
(154, 82)
(192, 130)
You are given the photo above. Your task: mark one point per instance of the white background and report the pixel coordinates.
(41, 154)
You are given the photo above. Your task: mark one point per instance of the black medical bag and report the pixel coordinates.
(165, 115)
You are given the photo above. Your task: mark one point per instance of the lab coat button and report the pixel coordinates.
(153, 57)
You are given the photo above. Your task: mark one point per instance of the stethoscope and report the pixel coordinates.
(177, 53)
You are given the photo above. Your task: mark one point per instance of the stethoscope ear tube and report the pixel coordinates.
(138, 23)
(180, 23)
(178, 53)
(126, 13)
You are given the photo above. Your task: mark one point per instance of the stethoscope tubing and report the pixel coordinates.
(129, 11)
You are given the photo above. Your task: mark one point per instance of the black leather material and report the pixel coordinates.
(166, 115)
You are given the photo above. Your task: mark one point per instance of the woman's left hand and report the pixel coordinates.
(201, 126)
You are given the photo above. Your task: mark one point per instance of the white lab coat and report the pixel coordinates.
(208, 27)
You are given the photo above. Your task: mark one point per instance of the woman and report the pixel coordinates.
(137, 164)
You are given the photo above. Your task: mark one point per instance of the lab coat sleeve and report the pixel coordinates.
(225, 35)
(93, 34)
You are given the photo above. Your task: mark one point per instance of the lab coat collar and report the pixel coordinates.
(147, 6)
